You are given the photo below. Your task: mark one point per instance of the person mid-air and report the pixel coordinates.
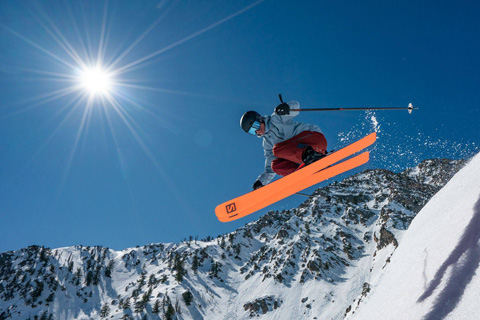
(288, 145)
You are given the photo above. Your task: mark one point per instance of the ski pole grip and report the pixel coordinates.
(281, 99)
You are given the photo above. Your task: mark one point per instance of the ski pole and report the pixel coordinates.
(303, 194)
(409, 108)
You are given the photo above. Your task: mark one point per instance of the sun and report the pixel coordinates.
(96, 81)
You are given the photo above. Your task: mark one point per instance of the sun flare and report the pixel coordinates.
(99, 80)
(96, 81)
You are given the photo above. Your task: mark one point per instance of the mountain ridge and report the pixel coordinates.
(312, 262)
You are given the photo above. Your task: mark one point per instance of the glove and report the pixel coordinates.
(257, 185)
(282, 109)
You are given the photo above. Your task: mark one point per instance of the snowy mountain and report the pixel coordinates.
(322, 260)
(434, 273)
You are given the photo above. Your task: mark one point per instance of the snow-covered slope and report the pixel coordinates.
(434, 273)
(318, 261)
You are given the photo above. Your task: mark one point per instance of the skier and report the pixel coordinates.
(287, 145)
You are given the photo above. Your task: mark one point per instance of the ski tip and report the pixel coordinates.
(221, 216)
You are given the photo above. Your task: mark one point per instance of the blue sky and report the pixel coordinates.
(152, 166)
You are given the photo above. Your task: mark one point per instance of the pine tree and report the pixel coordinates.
(43, 256)
(237, 249)
(89, 278)
(307, 228)
(222, 243)
(139, 306)
(78, 276)
(105, 311)
(170, 312)
(70, 266)
(146, 296)
(135, 294)
(195, 263)
(167, 304)
(152, 280)
(38, 290)
(179, 268)
(164, 279)
(96, 276)
(156, 307)
(50, 298)
(177, 307)
(109, 269)
(215, 268)
(141, 281)
(126, 304)
(44, 316)
(187, 297)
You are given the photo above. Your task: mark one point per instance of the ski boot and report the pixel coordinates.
(310, 156)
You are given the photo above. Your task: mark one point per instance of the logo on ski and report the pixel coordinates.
(231, 207)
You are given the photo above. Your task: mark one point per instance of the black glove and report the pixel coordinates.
(257, 185)
(282, 109)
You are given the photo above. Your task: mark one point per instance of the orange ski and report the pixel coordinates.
(297, 181)
(310, 181)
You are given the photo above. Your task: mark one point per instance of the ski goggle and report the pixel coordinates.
(255, 126)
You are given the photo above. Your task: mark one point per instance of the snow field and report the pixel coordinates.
(433, 273)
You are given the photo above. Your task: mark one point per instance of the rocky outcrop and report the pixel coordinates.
(262, 305)
(385, 238)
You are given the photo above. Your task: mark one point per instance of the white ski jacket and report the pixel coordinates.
(278, 129)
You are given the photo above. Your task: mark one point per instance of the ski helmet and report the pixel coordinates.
(248, 119)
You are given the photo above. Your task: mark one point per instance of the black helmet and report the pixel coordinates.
(248, 119)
